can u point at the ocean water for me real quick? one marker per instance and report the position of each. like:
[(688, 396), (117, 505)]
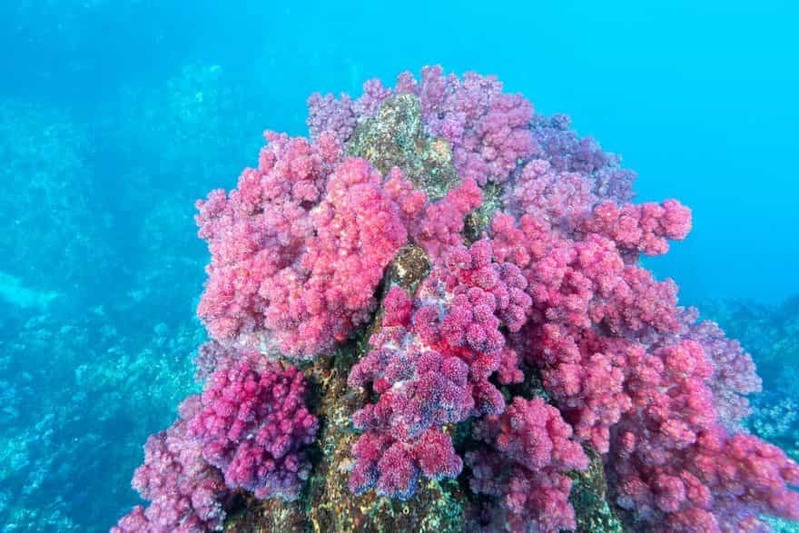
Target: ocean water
[(116, 115)]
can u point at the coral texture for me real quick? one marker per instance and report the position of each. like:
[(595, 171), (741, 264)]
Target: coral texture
[(247, 430), (499, 328), (297, 249), (253, 424), (186, 493), (529, 453)]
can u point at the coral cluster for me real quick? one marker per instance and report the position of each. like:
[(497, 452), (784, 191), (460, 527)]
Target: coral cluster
[(530, 340), (186, 492), (246, 430), (252, 425), (526, 464)]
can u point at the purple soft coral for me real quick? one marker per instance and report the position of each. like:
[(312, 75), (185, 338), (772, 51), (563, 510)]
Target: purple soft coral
[(548, 284), (487, 128), (253, 425), (186, 493), (432, 360), (530, 450)]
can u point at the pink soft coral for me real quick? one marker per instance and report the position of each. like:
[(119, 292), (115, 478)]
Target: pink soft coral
[(253, 424), (185, 492), (298, 248), (552, 289), (530, 451)]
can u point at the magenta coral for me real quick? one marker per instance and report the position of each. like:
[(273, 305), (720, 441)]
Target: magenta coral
[(548, 194), (441, 223), (530, 451), (431, 362), (186, 493), (297, 249), (589, 318), (487, 128), (420, 389), (393, 467), (547, 283), (676, 463), (642, 228), (734, 376), (252, 424)]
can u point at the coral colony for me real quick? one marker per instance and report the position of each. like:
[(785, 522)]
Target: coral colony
[(479, 264)]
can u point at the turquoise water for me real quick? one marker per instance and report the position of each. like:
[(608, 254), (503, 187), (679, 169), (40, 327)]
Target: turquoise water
[(116, 115)]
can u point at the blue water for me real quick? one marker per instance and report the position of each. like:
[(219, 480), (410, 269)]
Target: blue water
[(116, 115)]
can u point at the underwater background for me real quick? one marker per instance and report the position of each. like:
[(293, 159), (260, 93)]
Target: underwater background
[(115, 116)]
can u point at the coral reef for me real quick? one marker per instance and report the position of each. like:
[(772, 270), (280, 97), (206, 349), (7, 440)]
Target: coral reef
[(431, 315)]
